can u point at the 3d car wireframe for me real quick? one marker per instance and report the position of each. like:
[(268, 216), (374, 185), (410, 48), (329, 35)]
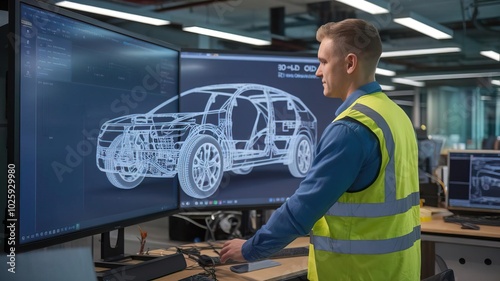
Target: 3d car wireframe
[(486, 180), (222, 128)]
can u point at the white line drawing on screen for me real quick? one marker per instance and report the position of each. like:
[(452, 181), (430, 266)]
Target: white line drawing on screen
[(221, 128), (486, 180)]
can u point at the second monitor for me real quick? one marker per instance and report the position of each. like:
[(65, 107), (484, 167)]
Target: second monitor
[(252, 124)]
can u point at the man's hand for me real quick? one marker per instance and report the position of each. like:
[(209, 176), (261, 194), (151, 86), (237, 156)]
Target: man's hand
[(232, 251)]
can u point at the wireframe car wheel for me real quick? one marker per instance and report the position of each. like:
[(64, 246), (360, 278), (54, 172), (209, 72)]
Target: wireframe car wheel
[(242, 171), (127, 160), (200, 166), (302, 155)]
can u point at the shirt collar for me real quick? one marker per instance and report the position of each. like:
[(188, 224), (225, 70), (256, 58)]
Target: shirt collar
[(370, 88)]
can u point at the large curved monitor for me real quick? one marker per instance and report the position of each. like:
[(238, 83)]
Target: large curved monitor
[(253, 120), (83, 140)]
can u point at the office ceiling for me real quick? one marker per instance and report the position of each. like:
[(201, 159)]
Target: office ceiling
[(292, 25)]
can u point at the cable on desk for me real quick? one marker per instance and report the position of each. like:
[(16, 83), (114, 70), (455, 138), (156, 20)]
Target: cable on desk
[(439, 181), (190, 220), (194, 253)]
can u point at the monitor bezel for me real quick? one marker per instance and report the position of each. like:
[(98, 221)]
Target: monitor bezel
[(466, 210), (13, 126)]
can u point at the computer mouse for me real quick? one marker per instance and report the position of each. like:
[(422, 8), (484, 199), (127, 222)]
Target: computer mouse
[(205, 260), (468, 225)]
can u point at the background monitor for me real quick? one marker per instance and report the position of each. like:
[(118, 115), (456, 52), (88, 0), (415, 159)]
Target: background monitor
[(82, 134), (261, 115), (474, 181)]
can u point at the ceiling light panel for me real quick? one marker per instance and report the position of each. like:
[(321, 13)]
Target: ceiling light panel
[(424, 26), (491, 54), (418, 52), (112, 13), (227, 35), (385, 72), (408, 82), (387, 87), (373, 7), (446, 76)]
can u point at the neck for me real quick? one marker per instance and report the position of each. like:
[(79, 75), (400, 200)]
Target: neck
[(357, 83)]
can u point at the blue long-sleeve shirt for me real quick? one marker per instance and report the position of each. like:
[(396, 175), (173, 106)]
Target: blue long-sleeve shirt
[(347, 160)]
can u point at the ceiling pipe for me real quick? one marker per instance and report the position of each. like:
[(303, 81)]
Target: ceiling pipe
[(475, 14), (277, 21)]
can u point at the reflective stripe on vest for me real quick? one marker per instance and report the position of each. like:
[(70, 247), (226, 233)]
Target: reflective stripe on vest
[(390, 178), (370, 247), (373, 210)]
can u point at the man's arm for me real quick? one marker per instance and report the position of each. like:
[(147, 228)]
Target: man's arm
[(339, 158)]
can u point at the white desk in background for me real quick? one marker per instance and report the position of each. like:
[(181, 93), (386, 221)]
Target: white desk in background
[(472, 254)]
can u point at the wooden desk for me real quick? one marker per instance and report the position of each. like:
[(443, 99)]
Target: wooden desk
[(291, 267), (472, 254), (438, 226)]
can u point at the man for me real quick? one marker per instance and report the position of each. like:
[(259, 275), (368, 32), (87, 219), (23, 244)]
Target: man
[(360, 197)]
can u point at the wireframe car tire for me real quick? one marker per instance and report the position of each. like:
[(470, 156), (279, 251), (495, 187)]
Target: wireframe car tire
[(200, 167), (125, 159), (302, 156), (242, 171)]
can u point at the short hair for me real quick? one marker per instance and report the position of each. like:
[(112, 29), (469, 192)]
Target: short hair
[(353, 36)]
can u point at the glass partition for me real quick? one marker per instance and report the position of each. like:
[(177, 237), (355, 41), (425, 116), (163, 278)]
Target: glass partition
[(465, 117)]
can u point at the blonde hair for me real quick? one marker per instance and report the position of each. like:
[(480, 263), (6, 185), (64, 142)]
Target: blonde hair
[(353, 36)]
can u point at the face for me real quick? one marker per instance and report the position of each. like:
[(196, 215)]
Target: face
[(331, 70)]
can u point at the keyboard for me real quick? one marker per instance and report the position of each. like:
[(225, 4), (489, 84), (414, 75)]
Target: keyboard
[(205, 260), (197, 277), (481, 220)]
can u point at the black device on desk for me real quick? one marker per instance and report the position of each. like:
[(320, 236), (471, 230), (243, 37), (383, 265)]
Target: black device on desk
[(474, 219), (205, 260), (197, 277), (474, 187)]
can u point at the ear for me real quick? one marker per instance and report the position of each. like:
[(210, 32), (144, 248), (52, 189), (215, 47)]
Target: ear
[(351, 62)]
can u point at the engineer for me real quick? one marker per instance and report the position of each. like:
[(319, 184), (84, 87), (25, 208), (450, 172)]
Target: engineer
[(360, 200)]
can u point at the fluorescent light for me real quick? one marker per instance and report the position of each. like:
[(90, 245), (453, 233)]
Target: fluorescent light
[(373, 7), (385, 72), (424, 26), (417, 52), (226, 35), (491, 54), (495, 82), (112, 13), (453, 76), (408, 82), (387, 87)]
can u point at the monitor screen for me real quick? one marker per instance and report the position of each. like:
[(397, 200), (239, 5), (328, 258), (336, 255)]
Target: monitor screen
[(253, 120), (84, 137), (474, 180)]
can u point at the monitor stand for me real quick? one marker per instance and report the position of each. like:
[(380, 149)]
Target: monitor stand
[(115, 265), (253, 220)]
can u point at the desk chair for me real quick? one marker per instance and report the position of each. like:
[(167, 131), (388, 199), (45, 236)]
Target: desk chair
[(446, 275)]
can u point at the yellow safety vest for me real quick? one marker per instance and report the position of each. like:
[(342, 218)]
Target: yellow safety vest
[(374, 234)]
